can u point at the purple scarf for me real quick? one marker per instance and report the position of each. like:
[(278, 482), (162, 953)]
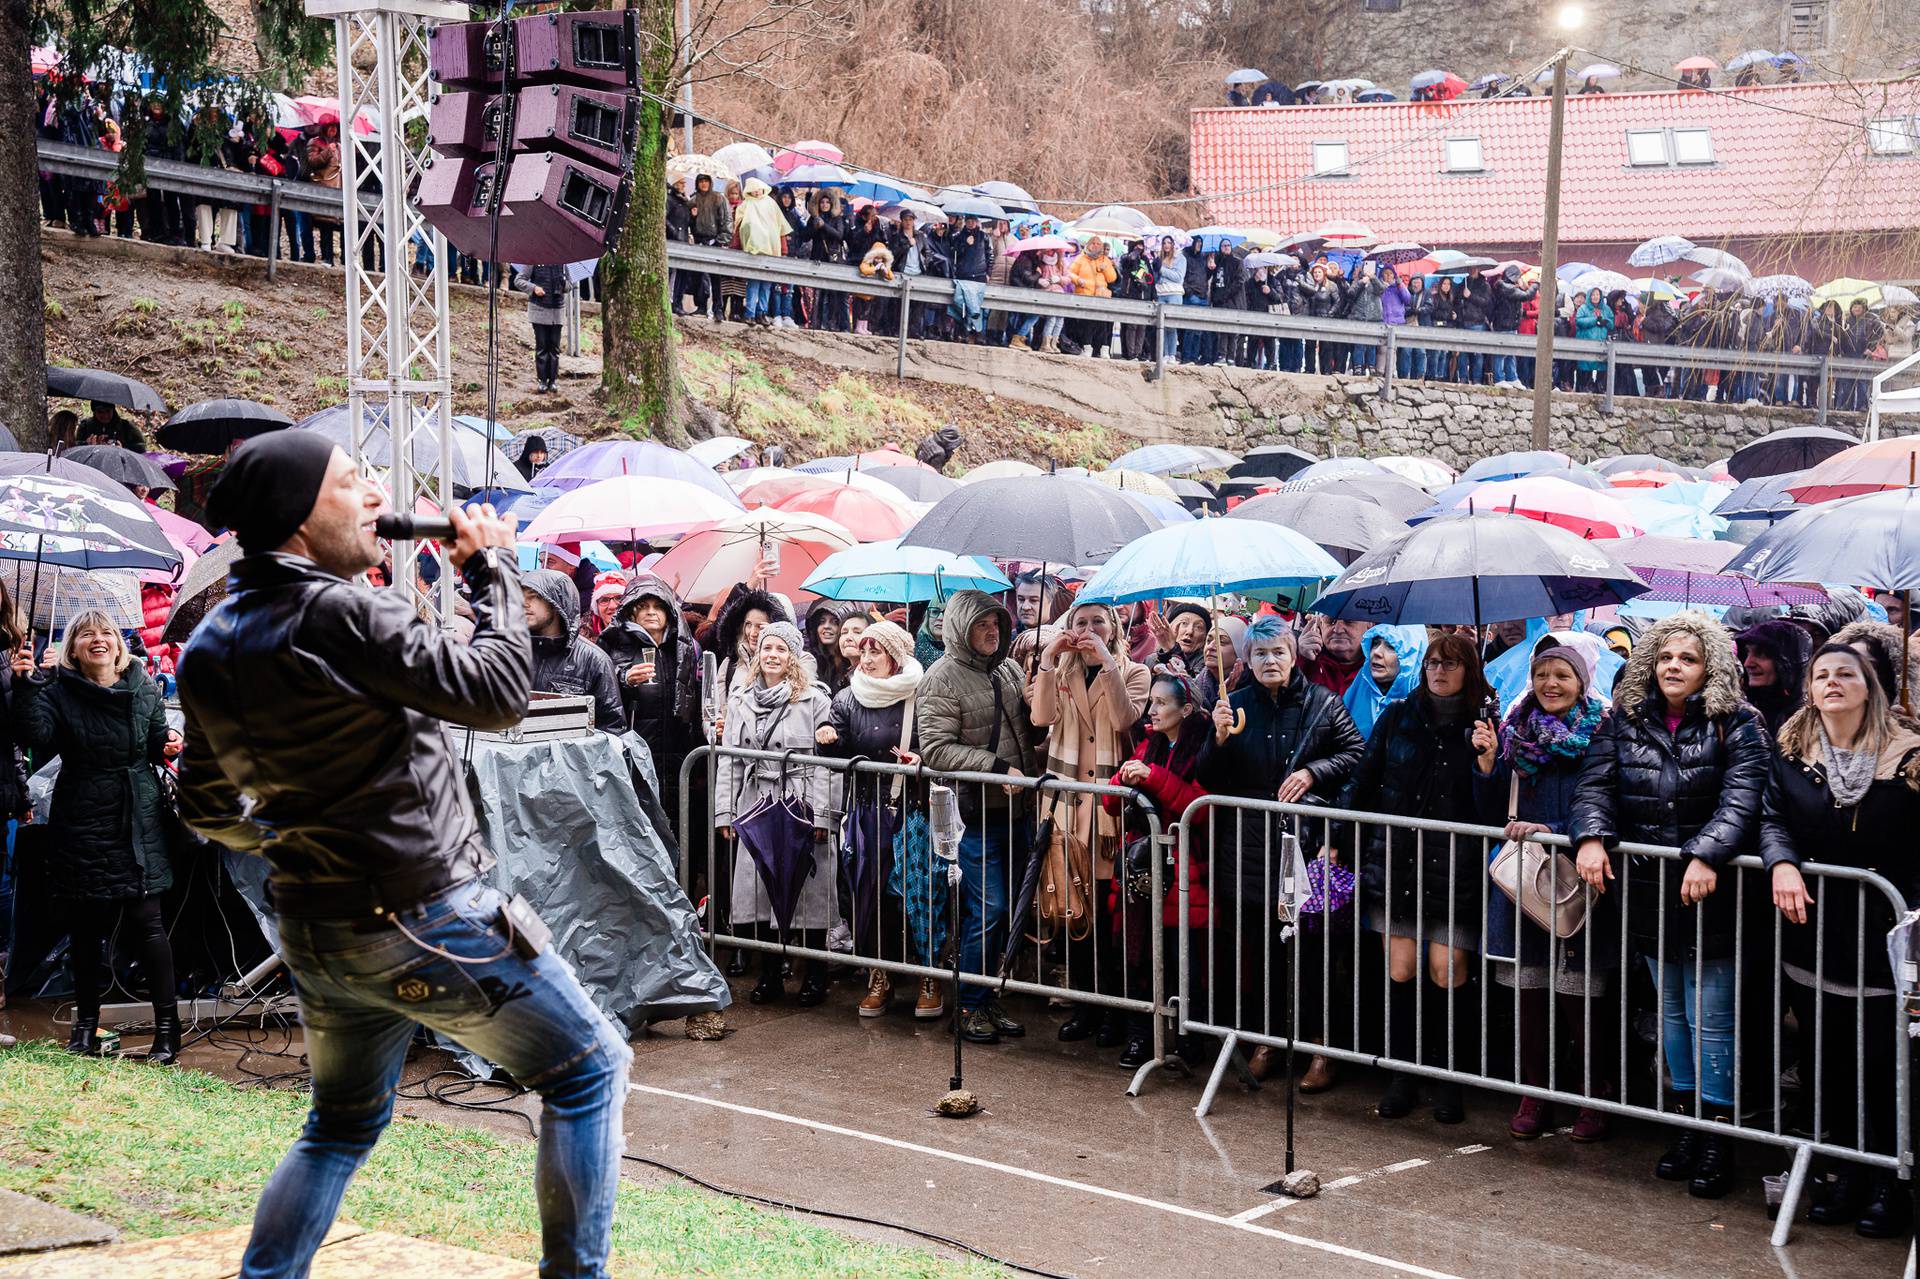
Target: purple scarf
[(1531, 737)]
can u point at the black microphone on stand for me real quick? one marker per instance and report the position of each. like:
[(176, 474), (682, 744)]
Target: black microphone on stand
[(414, 528)]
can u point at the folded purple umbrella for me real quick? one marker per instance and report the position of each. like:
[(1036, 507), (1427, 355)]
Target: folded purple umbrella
[(609, 459), (778, 834)]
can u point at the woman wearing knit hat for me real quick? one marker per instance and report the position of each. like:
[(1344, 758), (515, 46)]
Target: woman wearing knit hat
[(872, 718), (1524, 779), (778, 707)]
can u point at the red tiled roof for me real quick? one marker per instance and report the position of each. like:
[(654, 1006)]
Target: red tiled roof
[(1773, 173)]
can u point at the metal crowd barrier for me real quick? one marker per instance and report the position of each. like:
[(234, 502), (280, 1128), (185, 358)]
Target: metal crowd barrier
[(1124, 974), (1324, 957)]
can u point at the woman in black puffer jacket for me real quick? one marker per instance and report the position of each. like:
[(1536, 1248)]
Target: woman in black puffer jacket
[(1682, 761), (1419, 763), (105, 719)]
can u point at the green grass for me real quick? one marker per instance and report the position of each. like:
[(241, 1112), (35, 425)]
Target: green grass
[(158, 1152)]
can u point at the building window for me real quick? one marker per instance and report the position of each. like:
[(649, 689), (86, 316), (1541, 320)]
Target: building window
[(1890, 137), (1692, 146), (1646, 146), (1329, 159), (1380, 6), (1807, 23), (1463, 155)]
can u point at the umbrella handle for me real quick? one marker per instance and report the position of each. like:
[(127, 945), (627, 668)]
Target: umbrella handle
[(1220, 669)]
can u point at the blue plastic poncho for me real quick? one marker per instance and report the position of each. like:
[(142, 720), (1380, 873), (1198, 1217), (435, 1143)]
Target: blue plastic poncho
[(1364, 698)]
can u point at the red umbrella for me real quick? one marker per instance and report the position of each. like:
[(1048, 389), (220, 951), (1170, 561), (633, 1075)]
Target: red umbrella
[(887, 455), (1696, 63), (1864, 468), (867, 516)]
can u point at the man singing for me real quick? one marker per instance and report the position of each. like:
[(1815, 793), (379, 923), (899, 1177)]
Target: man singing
[(314, 737)]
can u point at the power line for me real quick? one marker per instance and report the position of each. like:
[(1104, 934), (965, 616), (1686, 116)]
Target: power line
[(1744, 99)]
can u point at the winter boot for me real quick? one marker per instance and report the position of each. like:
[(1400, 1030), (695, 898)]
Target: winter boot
[(85, 1039), (1714, 1175), (165, 1048), (1682, 1156)]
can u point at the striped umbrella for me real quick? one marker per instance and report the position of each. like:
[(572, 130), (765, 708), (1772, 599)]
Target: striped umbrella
[(64, 593)]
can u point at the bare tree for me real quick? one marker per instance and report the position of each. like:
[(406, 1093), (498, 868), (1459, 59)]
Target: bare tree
[(23, 374)]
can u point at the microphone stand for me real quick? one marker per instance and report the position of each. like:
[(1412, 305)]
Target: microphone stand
[(944, 832)]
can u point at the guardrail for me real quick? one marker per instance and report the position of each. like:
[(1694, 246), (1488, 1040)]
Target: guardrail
[(885, 871), (204, 183), (1594, 967)]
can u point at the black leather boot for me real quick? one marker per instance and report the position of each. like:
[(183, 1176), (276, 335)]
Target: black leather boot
[(1838, 1202), (813, 987), (1713, 1175), (1402, 1095), (85, 1039), (1678, 1163), (1080, 1024), (1889, 1210), (165, 1048)]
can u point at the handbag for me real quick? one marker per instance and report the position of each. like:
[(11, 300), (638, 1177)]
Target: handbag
[(1062, 897), (1542, 881), (1134, 871)]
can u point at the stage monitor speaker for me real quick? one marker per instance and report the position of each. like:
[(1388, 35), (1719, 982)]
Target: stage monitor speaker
[(596, 125), (597, 48), (555, 208)]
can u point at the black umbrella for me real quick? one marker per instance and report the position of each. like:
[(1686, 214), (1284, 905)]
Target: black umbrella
[(1794, 449), (121, 465), (1473, 569), (1282, 460), (1400, 498), (1764, 497), (1023, 900), (205, 586), (1347, 527), (109, 388), (76, 517), (211, 426), (1043, 518), (920, 485), (1870, 540), (778, 835)]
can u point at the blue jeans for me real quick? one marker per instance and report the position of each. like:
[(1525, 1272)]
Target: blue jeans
[(983, 897), (1021, 326), (783, 301), (1196, 347), (1365, 358), (1714, 1025), (1410, 361), (361, 993), (1292, 351), (1472, 363), (1506, 368), (758, 293)]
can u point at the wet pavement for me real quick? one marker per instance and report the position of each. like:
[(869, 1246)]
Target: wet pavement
[(1063, 1173)]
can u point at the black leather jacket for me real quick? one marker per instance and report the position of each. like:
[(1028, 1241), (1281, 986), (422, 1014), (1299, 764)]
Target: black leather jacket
[(314, 731)]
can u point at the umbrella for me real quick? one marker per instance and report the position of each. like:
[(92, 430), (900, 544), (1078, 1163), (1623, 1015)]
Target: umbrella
[(800, 153), (1572, 270), (1134, 482), (492, 432), (1720, 278), (1399, 498), (973, 206), (75, 522), (1190, 491), (1375, 95), (1490, 79), (1042, 244), (1346, 527), (1752, 57), (719, 449), (1120, 215), (121, 465), (1213, 238), (706, 564), (212, 426), (916, 483), (1871, 540), (1161, 510), (1794, 449), (1552, 501), (1046, 519), (1424, 471), (1689, 571), (1282, 461), (61, 594), (1246, 75), (816, 175), (1764, 497), (1475, 569), (1605, 281), (1894, 295), (1428, 79), (894, 574), (1652, 477), (777, 833), (1209, 557), (1395, 254), (1844, 290), (558, 442), (1508, 466), (1696, 63), (1776, 286), (629, 507), (775, 489), (98, 384), (742, 158), (1005, 469), (1008, 196), (1863, 468), (1272, 260), (1598, 71), (1660, 250), (470, 459), (1299, 241), (867, 516), (1706, 256), (1684, 509), (1334, 468), (1633, 462), (1173, 459), (605, 459), (682, 167), (204, 586), (1657, 289), (928, 214), (1346, 233), (880, 188)]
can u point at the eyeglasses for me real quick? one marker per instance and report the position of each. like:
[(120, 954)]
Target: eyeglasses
[(1444, 664)]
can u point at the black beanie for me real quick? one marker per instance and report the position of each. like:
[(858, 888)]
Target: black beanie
[(269, 487), (1205, 617)]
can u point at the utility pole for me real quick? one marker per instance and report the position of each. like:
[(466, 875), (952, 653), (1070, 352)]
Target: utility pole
[(686, 76), (1549, 261)]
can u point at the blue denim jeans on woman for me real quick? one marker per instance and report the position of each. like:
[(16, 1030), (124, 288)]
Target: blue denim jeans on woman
[(363, 985), (759, 293), (1711, 1021), (1410, 361)]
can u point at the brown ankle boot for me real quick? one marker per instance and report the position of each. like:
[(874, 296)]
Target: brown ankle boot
[(1321, 1075), (1260, 1065)]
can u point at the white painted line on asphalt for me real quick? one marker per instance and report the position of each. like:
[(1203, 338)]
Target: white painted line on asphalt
[(1158, 1205), (1338, 1183)]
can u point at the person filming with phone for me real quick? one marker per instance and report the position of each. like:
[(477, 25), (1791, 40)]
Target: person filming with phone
[(315, 736)]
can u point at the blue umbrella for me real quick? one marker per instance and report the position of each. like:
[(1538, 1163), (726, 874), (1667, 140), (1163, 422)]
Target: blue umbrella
[(818, 175), (883, 189), (1511, 466), (1473, 569), (1764, 497), (1686, 509), (1661, 250), (609, 459), (1173, 459), (1572, 270), (1161, 510), (894, 574), (1209, 557), (1214, 238), (480, 426)]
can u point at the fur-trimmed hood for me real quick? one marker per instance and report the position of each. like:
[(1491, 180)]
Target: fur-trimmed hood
[(726, 628), (1889, 649), (650, 586), (1721, 694)]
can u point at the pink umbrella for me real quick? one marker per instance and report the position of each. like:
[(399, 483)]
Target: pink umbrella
[(1696, 63), (1042, 244), (867, 516), (628, 508), (815, 152), (1346, 232), (705, 565), (1647, 479), (1587, 512)]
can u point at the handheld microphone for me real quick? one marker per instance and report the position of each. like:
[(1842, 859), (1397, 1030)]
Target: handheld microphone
[(413, 528)]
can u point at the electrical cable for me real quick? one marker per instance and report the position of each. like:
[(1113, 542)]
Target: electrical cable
[(1733, 96)]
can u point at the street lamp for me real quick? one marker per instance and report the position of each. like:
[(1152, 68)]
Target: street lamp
[(1570, 16)]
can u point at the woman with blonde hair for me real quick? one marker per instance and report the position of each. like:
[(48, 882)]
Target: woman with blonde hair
[(96, 708), (1090, 695)]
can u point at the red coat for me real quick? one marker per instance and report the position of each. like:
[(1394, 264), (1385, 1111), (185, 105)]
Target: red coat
[(1172, 794), (156, 602)]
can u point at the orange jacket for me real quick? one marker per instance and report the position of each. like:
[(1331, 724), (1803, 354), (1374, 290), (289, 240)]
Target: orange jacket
[(1092, 275)]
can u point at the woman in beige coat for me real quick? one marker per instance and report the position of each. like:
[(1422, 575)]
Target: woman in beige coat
[(1090, 694)]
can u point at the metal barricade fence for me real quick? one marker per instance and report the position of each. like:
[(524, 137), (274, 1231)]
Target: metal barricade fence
[(1637, 968), (877, 871)]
